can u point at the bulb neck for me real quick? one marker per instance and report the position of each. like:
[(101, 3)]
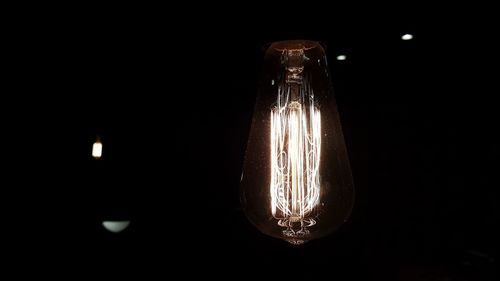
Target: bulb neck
[(293, 61)]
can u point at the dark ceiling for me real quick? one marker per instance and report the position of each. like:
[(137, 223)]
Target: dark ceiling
[(172, 103)]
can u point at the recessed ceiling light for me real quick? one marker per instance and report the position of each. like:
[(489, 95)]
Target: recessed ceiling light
[(341, 57), (407, 37)]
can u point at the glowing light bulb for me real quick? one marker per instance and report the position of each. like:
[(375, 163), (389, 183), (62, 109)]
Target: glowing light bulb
[(407, 37), (296, 183), (115, 226), (97, 149), (341, 57)]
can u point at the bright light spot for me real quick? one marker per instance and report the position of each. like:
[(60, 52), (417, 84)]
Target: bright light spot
[(407, 37), (341, 57), (295, 158), (97, 149), (115, 226), (272, 82)]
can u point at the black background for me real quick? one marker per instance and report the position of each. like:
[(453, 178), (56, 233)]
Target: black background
[(172, 100)]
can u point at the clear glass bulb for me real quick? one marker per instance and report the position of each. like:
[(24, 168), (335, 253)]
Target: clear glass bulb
[(296, 183)]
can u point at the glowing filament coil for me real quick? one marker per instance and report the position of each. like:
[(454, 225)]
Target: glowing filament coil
[(295, 158)]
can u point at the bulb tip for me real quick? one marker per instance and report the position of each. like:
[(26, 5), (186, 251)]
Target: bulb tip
[(296, 241)]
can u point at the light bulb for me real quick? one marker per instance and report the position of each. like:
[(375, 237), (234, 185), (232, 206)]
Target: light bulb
[(296, 183), (115, 226), (97, 149), (407, 37)]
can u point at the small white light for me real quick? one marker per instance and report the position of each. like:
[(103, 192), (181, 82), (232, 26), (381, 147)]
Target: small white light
[(341, 57), (97, 149), (272, 82), (407, 37), (115, 226)]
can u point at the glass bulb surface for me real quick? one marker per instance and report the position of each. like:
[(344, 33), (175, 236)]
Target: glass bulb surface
[(296, 183)]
